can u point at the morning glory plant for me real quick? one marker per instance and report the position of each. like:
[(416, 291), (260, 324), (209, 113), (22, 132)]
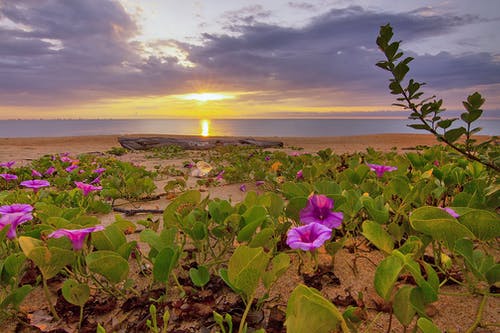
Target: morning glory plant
[(14, 215), (8, 164), (319, 210), (87, 188), (76, 236), (381, 169), (8, 176), (308, 237), (35, 184)]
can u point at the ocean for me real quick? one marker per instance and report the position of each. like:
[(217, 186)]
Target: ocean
[(217, 127)]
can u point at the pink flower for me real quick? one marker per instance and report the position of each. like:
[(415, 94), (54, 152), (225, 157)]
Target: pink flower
[(8, 176), (14, 215), (436, 163), (451, 212), (87, 188), (71, 168), (259, 182), (99, 170), (35, 184), (220, 175), (8, 164), (267, 158), (65, 159), (50, 171), (76, 236), (35, 173), (381, 169), (96, 180), (299, 174), (319, 210), (308, 237)]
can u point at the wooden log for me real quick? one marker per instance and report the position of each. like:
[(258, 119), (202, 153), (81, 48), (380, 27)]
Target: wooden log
[(193, 143)]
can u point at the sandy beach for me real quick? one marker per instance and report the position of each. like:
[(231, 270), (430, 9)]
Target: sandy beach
[(32, 148)]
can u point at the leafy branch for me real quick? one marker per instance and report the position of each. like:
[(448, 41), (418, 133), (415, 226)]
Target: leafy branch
[(428, 110)]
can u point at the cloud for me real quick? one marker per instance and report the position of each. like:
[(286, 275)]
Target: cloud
[(57, 52)]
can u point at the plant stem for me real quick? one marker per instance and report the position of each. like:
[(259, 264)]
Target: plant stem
[(245, 314), (479, 315), (47, 296), (81, 317)]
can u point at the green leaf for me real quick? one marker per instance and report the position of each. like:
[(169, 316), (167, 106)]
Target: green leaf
[(199, 276), (109, 264), (75, 293), (246, 267), (403, 310), (16, 297), (427, 326), (376, 234), (279, 265), (111, 238), (484, 225), (252, 218), (493, 274), (182, 205), (387, 274), (438, 224), (308, 311), (454, 134), (164, 263), (49, 261)]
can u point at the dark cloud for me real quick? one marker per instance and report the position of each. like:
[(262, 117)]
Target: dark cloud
[(77, 51)]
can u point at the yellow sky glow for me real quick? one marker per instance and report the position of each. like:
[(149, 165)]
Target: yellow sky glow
[(205, 97)]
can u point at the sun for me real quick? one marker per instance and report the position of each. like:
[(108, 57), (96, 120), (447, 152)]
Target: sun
[(205, 97)]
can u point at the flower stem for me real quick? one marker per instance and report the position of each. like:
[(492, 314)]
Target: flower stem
[(245, 314), (47, 296), (479, 315)]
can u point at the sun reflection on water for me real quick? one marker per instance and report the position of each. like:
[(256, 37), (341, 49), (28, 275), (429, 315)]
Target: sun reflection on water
[(205, 127)]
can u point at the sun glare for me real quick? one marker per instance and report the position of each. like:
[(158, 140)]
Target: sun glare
[(205, 97), (205, 127)]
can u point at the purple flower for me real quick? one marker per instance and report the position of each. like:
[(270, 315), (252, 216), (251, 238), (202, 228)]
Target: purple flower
[(308, 237), (8, 164), (381, 169), (243, 188), (189, 165), (71, 167), (219, 175), (267, 158), (8, 176), (99, 170), (451, 212), (319, 210), (35, 173), (96, 180), (87, 188), (76, 236), (259, 182), (50, 171), (294, 153), (65, 159), (14, 215), (299, 174), (35, 184)]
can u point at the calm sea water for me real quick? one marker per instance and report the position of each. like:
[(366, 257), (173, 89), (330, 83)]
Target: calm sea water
[(216, 127)]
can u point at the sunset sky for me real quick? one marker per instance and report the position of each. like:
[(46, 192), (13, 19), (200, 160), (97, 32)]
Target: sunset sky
[(237, 58)]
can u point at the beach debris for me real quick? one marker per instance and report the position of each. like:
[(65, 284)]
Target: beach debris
[(201, 170), (192, 143)]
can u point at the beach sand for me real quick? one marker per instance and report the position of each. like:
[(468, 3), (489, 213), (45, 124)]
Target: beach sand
[(32, 148)]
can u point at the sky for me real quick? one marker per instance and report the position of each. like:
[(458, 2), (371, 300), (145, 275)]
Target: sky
[(238, 58)]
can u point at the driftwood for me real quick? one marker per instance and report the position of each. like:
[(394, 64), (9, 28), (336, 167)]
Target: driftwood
[(193, 143)]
